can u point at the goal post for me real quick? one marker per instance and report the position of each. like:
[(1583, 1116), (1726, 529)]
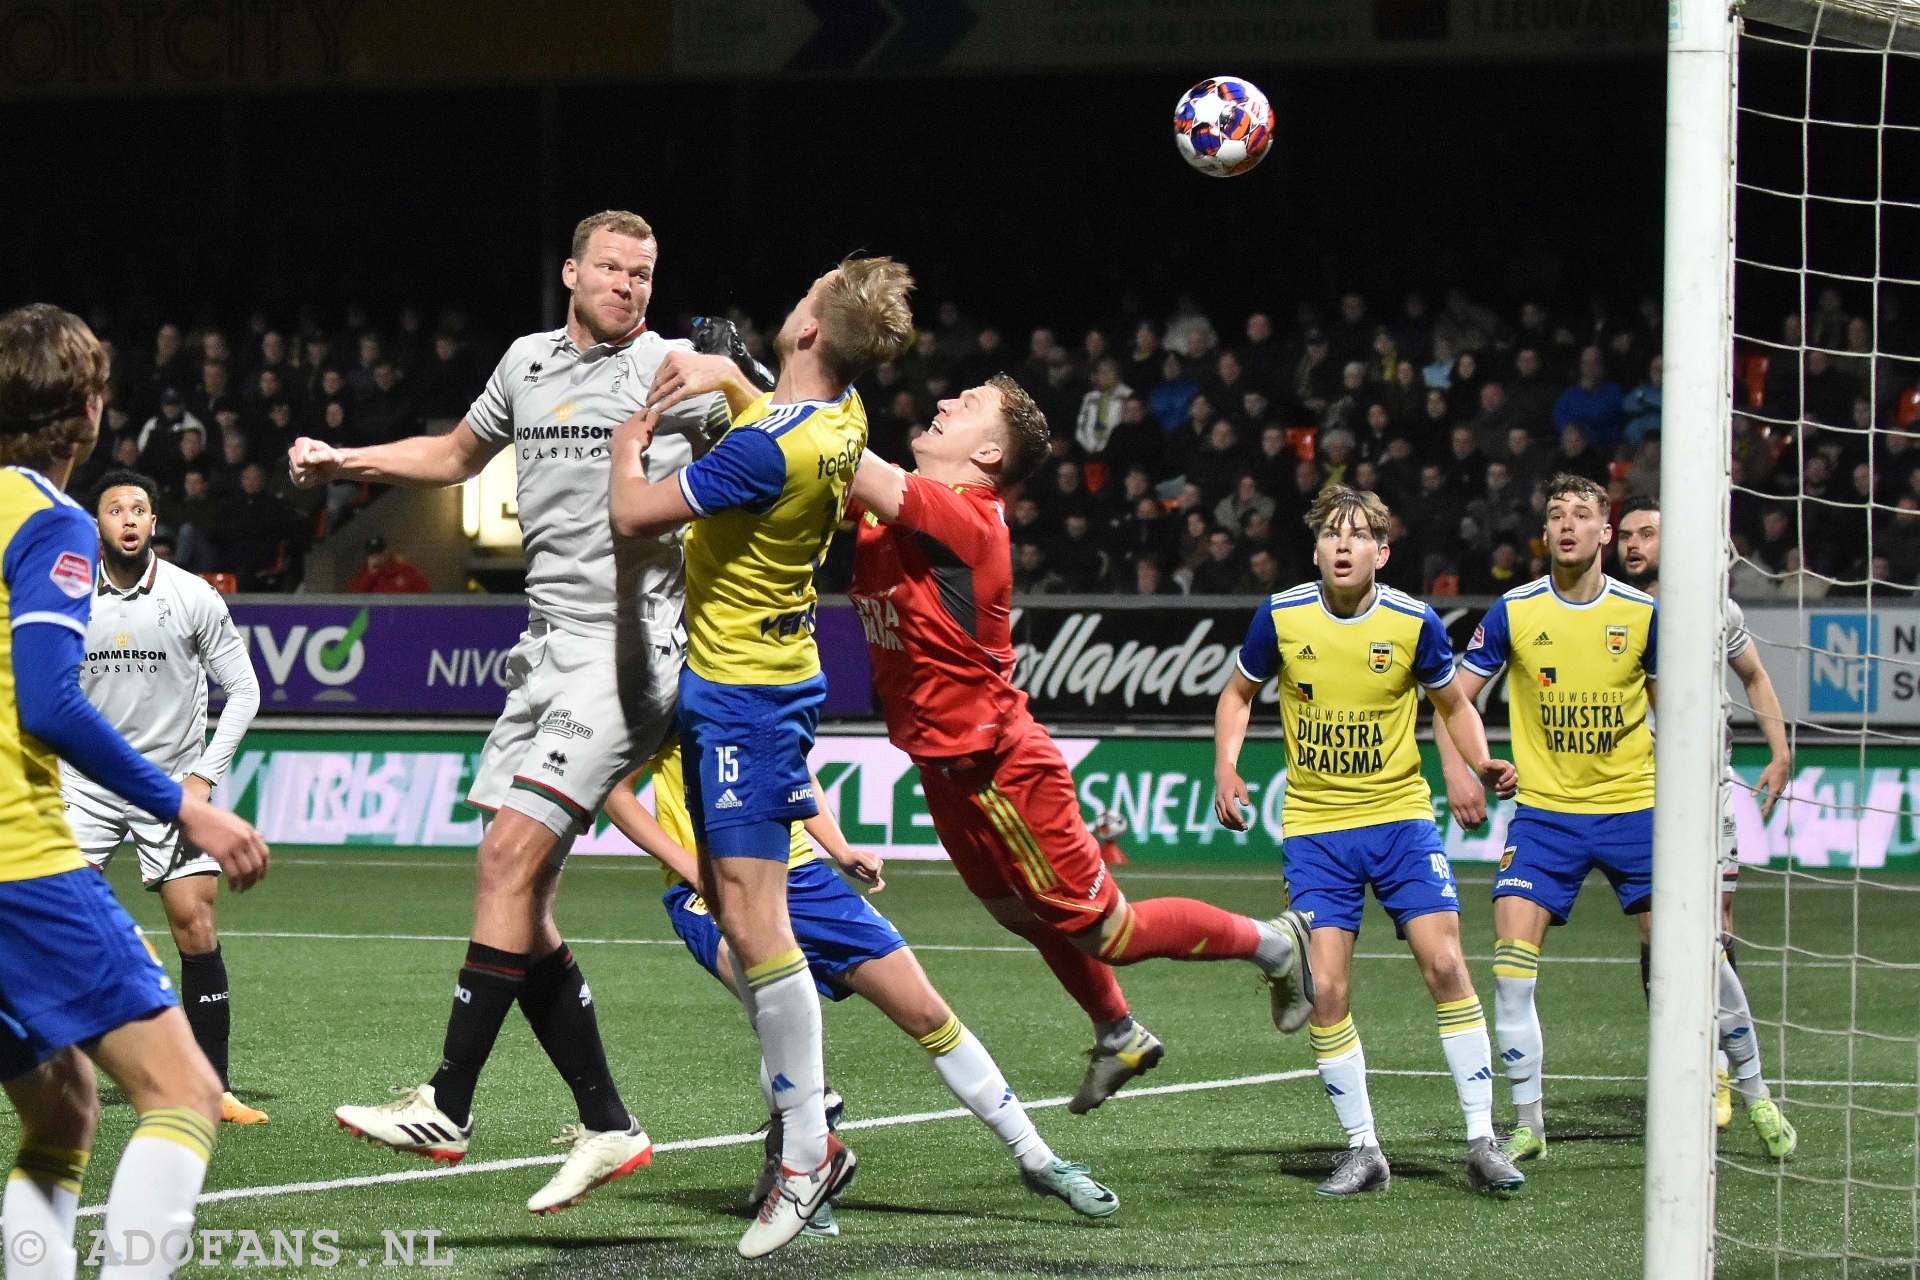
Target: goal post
[(1697, 345)]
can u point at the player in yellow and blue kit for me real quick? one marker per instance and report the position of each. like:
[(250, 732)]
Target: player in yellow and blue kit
[(1580, 650), (77, 980), (851, 949), (1351, 657), (764, 504)]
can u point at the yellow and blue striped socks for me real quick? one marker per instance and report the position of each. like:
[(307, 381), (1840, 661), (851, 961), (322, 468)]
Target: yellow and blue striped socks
[(1343, 1070), (1463, 1038), (149, 1224), (1516, 970), (42, 1201), (972, 1076)]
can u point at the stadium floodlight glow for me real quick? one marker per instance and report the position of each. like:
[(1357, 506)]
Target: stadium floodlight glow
[(1694, 482)]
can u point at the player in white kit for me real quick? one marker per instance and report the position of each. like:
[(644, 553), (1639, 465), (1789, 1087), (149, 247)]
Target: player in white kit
[(1739, 1052), (591, 692), (156, 634)]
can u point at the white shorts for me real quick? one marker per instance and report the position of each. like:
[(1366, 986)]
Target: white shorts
[(1729, 834), (582, 713), (101, 821)]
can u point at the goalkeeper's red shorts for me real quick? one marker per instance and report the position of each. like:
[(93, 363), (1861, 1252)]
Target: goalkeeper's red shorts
[(1011, 823)]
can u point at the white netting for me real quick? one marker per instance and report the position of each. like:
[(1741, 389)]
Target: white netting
[(1827, 318)]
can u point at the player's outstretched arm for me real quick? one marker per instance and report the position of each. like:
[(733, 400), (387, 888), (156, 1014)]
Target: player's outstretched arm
[(638, 507), (1765, 702), (1469, 738), (879, 486), (625, 811), (225, 656), (859, 863), (1230, 718), (689, 373), (426, 462)]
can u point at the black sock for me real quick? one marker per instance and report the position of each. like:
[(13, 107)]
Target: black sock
[(489, 983), (559, 1007), (1646, 972), (203, 994)]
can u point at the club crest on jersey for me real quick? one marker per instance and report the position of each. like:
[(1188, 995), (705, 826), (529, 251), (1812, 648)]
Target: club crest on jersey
[(1379, 656), (1549, 676), (1506, 859), (1616, 640), (1305, 691), (73, 574)]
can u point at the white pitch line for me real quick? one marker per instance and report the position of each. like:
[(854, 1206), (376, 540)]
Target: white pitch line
[(695, 1144)]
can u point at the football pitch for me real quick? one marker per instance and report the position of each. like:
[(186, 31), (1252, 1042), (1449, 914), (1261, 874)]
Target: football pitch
[(342, 966)]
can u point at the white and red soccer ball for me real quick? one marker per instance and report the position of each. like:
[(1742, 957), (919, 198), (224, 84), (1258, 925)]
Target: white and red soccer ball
[(1223, 126)]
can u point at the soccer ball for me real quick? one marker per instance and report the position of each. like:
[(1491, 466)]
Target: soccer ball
[(1223, 126)]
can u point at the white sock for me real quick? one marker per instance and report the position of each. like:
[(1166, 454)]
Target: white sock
[(42, 1200), (766, 1086), (1516, 968), (1738, 1039), (1343, 1069), (972, 1075), (1463, 1038), (150, 1209), (786, 1015)]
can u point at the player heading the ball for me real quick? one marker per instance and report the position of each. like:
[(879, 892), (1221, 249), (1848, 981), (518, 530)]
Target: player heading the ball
[(1351, 656)]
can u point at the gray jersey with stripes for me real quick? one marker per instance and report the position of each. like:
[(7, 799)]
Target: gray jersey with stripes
[(557, 407)]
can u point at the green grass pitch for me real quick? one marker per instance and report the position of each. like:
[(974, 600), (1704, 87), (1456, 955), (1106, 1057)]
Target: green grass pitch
[(1214, 1182)]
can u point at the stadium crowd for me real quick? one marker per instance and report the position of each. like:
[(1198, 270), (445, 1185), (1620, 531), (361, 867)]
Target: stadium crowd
[(1184, 452)]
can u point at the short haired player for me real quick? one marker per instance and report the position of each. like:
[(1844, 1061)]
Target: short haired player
[(851, 950), (1581, 651), (591, 685), (1739, 1052), (933, 582), (77, 980), (157, 634), (764, 504), (1352, 656)]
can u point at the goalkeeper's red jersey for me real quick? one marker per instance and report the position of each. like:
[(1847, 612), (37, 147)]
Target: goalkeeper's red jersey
[(935, 594)]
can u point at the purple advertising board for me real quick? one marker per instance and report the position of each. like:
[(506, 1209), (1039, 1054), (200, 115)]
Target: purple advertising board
[(441, 655)]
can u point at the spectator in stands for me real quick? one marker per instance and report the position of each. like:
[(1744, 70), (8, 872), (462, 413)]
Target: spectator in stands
[(259, 536), (1528, 456), (1413, 331), (234, 451), (1219, 573), (1495, 575), (360, 377), (1217, 466), (1183, 445), (1144, 361), (1137, 442), (1316, 377), (1777, 538), (1375, 434), (988, 357), (1830, 320), (386, 572), (171, 419), (1463, 388), (1262, 576), (1195, 532), (1102, 408), (1345, 410), (1899, 541), (1336, 455), (193, 517), (1641, 407), (388, 411), (1261, 352), (1433, 518), (1643, 477), (1466, 465), (1493, 421), (1530, 393), (1576, 458), (1594, 403), (1066, 495), (1433, 437), (1827, 393), (1146, 532), (1031, 576), (170, 457), (1172, 400), (1500, 508), (1246, 500), (1352, 333), (1465, 325), (1384, 359), (265, 387), (1229, 382), (214, 392), (1078, 558), (1780, 394), (1032, 373), (1405, 397), (447, 383), (168, 365), (1850, 524), (1437, 373), (1150, 579), (1274, 463)]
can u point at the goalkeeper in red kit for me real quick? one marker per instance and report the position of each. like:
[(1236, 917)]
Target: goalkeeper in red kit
[(933, 580)]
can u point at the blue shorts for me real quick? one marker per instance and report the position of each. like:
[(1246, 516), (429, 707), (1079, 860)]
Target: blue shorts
[(743, 752), (1405, 862), (73, 967), (1549, 855), (836, 927)]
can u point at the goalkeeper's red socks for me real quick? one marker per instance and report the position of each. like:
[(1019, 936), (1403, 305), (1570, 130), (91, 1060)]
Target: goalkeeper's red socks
[(1179, 929)]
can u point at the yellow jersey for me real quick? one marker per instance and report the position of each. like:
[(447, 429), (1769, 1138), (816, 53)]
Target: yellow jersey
[(769, 497), (48, 544), (1348, 702), (1577, 679), (670, 811)]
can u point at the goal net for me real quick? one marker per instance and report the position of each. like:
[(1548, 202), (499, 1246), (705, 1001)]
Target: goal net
[(1825, 513)]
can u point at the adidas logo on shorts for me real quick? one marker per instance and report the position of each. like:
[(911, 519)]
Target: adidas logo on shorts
[(728, 800)]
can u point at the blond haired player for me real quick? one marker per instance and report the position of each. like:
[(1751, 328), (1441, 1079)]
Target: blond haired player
[(763, 505), (1739, 1051), (851, 950), (1351, 656)]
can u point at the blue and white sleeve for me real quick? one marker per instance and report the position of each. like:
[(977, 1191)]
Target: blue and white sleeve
[(1433, 653), (1650, 660), (1488, 652), (745, 470), (49, 572), (1260, 656)]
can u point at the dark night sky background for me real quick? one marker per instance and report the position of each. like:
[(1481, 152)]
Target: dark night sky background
[(1026, 199)]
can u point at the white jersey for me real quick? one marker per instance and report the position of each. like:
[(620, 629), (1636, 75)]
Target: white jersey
[(150, 650), (558, 407)]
